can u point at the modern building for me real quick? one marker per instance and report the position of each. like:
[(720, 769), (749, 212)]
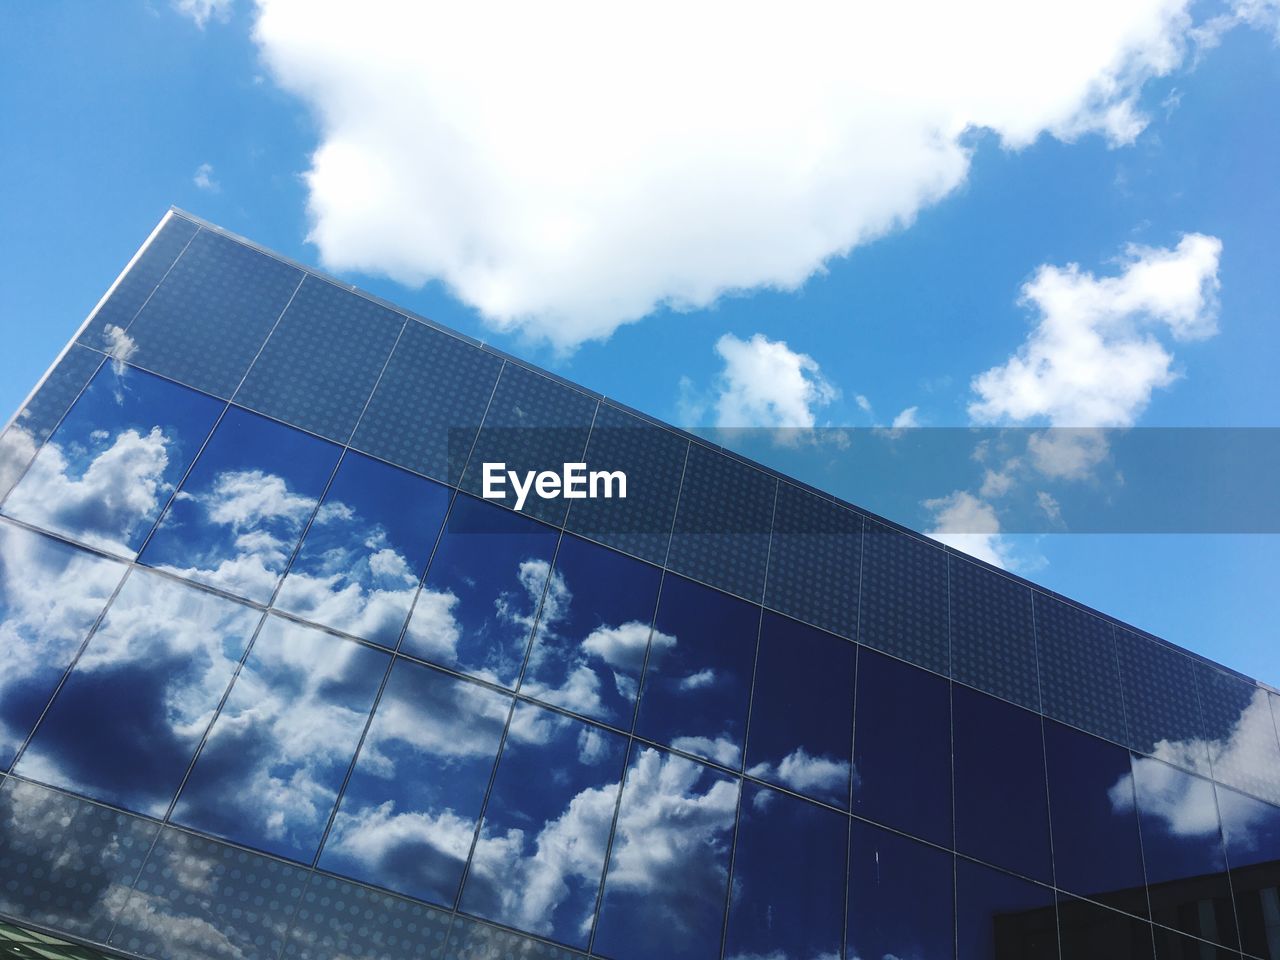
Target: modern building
[(276, 683)]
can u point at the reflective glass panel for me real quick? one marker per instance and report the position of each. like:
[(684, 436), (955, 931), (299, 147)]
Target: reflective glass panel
[(109, 468), (1160, 702), (788, 879), (593, 633), (240, 512), (1000, 917), (698, 678), (364, 553), (269, 774), (481, 596), (1096, 849), (1002, 815), (1176, 946), (540, 855), (993, 642), (50, 595), (1087, 931), (1243, 749), (66, 863), (1252, 831), (664, 894), (902, 748), (204, 900), (904, 597), (802, 710), (1079, 676), (472, 940), (409, 812), (1182, 850), (337, 919), (127, 722), (901, 901)]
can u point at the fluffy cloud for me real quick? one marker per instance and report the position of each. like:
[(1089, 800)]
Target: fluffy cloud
[(1096, 355), (805, 773), (580, 166), (202, 11), (967, 523), (767, 384)]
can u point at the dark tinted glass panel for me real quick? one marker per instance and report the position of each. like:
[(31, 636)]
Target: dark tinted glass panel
[(901, 900), (209, 317), (993, 644), (133, 289), (540, 855), (478, 605), (1182, 849), (1243, 749), (472, 940), (318, 367), (904, 598), (721, 533), (269, 774), (340, 919), (1089, 932), (201, 899), (1160, 702), (999, 917), (66, 863), (1079, 679), (50, 596), (788, 879), (652, 458), (1252, 830), (1097, 853), (593, 633), (1176, 946), (802, 710), (664, 894), (814, 561), (107, 471), (698, 679), (533, 423), (428, 405), (364, 553), (127, 722), (242, 509), (1002, 815), (902, 748), (409, 813)]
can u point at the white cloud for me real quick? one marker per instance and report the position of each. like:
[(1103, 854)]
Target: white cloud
[(204, 178), (202, 11), (805, 773), (17, 448), (907, 419), (573, 170), (967, 523), (1096, 353), (767, 384)]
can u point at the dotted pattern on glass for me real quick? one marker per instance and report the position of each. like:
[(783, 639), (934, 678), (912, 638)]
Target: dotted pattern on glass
[(1079, 679), (200, 899), (904, 597), (320, 364), (815, 558), (428, 405), (476, 941), (1161, 707), (57, 393), (340, 919), (205, 323), (993, 642), (1243, 749), (98, 854), (533, 423), (136, 285), (722, 523), (652, 459)]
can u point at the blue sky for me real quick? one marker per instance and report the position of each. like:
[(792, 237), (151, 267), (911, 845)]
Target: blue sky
[(111, 113)]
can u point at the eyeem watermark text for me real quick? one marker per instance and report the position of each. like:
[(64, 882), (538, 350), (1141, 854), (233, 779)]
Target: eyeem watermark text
[(573, 482)]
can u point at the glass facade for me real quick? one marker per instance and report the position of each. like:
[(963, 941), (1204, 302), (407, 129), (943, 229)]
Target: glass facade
[(275, 682)]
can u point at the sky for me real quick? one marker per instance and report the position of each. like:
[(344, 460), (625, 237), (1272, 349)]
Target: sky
[(999, 218)]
